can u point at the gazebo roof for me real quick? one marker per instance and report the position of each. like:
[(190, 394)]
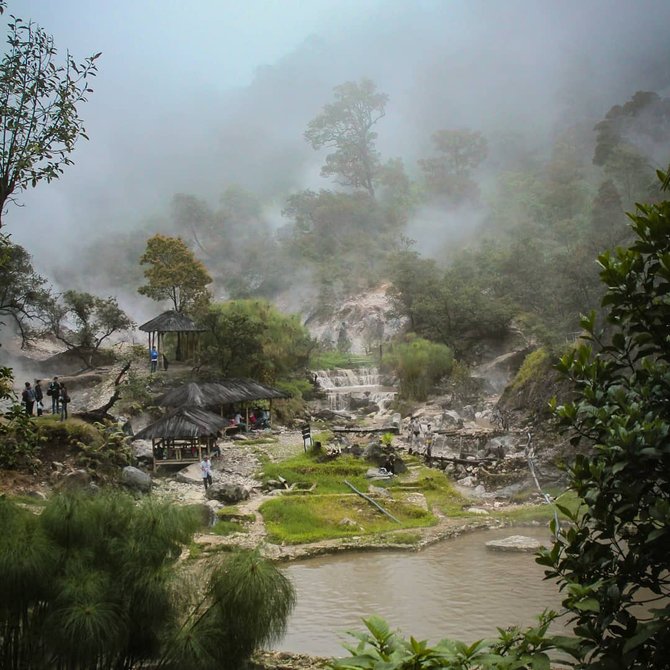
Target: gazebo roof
[(223, 392), (171, 322), (183, 423)]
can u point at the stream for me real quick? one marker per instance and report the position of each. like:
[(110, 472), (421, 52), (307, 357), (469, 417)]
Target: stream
[(457, 588)]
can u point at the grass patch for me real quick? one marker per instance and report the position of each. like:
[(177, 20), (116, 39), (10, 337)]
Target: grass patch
[(440, 494), (228, 527), (408, 538), (541, 512), (302, 519), (328, 476)]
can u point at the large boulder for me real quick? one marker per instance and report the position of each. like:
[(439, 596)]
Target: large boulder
[(135, 479), (227, 493)]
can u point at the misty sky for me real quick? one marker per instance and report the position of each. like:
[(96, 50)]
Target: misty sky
[(192, 97)]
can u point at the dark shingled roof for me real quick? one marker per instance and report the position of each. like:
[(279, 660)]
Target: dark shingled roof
[(223, 392), (171, 322), (183, 423)]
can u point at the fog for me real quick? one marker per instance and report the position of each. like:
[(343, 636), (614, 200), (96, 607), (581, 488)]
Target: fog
[(192, 98)]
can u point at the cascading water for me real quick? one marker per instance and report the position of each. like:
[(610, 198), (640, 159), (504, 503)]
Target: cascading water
[(345, 388)]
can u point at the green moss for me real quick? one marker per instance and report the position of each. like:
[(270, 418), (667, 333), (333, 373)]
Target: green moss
[(531, 369)]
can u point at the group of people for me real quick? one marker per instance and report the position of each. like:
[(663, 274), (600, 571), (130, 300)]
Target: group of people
[(258, 418), (33, 398), (420, 436)]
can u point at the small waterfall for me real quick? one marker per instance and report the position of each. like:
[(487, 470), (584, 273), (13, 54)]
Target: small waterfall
[(346, 389)]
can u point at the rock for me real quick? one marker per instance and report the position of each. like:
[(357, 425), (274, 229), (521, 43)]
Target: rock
[(227, 493), (379, 491), (347, 523), (515, 543), (191, 474), (467, 481), (135, 479), (477, 510), (143, 450), (479, 490), (78, 480), (452, 418), (38, 495)]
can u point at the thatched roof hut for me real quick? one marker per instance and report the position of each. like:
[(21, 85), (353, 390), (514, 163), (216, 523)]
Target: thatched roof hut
[(183, 436), (184, 422), (171, 322), (214, 394)]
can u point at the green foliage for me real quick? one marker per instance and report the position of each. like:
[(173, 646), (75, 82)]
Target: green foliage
[(174, 273), (332, 359), (613, 563), (24, 295), (40, 121), (380, 648), (419, 365), (92, 582), (342, 237), (250, 338), (459, 151), (531, 368), (83, 322), (19, 438), (110, 451), (346, 126)]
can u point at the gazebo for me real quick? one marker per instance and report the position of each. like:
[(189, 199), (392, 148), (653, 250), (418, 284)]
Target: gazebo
[(220, 393), (183, 436), (171, 322)]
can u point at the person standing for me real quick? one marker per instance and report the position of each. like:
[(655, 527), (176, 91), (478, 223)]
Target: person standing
[(28, 397), (64, 402), (206, 468), (54, 391), (39, 396), (153, 355)]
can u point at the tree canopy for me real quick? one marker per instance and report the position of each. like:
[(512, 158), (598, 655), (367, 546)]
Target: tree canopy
[(174, 274), (346, 125), (39, 101), (83, 321)]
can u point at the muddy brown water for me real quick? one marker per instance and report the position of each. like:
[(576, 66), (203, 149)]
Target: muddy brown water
[(457, 589)]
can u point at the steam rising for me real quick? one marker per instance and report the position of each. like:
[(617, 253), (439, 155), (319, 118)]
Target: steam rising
[(191, 100)]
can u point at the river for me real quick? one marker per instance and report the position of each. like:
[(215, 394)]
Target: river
[(457, 588)]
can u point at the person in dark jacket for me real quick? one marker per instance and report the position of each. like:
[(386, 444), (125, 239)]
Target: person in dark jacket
[(39, 396), (28, 397), (64, 402), (54, 391)]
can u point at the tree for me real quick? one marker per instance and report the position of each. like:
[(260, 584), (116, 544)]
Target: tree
[(94, 582), (25, 296), (419, 365), (174, 274), (613, 562), (94, 320), (346, 125), (39, 121), (460, 152), (250, 338)]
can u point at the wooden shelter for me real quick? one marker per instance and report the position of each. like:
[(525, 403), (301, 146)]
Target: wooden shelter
[(232, 391), (183, 436), (172, 322)]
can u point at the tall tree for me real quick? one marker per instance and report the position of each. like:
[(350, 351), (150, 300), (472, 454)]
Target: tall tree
[(174, 274), (347, 126), (94, 319), (449, 174), (39, 100)]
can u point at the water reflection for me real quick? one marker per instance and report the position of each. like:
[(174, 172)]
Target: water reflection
[(456, 589)]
